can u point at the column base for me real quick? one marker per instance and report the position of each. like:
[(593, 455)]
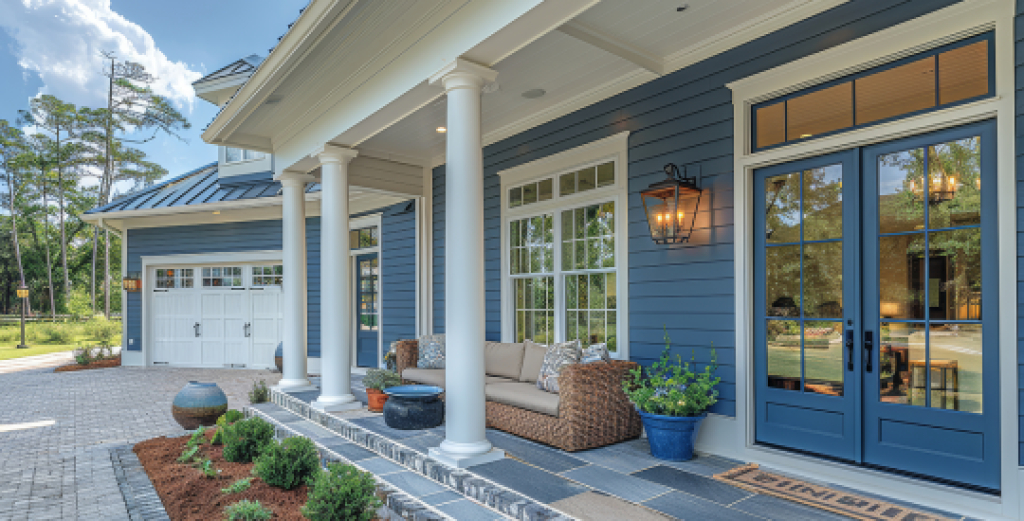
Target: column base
[(465, 460), (294, 386), (336, 403)]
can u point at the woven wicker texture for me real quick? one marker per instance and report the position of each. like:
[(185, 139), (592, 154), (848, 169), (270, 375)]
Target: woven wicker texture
[(592, 411)]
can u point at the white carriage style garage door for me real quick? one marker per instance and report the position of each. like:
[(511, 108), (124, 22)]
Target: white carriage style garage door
[(216, 316)]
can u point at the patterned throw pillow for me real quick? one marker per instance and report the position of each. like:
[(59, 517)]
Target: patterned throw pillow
[(595, 353), (431, 352), (557, 357)]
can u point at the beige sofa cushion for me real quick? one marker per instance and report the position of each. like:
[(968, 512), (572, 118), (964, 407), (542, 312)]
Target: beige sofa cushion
[(533, 358), (525, 396), (503, 359), (436, 377), (425, 376)]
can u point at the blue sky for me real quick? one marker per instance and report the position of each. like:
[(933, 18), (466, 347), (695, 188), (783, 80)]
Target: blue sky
[(52, 47)]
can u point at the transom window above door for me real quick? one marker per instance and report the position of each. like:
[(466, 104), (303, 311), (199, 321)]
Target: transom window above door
[(942, 77), (368, 237), (226, 277)]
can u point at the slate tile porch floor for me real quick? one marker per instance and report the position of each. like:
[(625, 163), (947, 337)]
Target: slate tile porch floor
[(681, 490)]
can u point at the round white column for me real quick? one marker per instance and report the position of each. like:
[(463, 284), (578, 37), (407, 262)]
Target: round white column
[(465, 442), (336, 322), (293, 229)]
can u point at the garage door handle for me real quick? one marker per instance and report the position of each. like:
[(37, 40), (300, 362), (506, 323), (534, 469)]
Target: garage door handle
[(247, 326), (196, 327)]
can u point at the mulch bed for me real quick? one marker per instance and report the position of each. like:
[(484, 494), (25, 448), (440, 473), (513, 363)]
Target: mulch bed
[(187, 494), (102, 363)]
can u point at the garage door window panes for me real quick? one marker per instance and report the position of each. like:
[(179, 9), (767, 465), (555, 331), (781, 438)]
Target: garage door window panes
[(228, 277), (263, 276), (174, 278)]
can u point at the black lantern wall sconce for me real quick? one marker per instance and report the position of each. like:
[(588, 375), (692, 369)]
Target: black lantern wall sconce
[(671, 205)]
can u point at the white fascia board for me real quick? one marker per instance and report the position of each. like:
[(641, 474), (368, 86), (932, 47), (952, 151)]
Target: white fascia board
[(400, 88)]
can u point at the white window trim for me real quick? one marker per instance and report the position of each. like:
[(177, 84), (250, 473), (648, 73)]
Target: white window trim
[(367, 221), (735, 436), (614, 148)]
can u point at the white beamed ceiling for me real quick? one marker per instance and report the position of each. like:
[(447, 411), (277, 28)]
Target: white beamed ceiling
[(575, 73)]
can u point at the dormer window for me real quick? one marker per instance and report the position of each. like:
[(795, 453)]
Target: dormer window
[(236, 155)]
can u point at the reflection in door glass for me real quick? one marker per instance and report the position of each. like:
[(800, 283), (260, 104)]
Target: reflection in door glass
[(901, 276), (823, 357), (783, 353), (900, 189), (955, 362), (823, 203), (954, 274), (782, 208), (823, 280), (954, 183), (782, 281), (900, 345)]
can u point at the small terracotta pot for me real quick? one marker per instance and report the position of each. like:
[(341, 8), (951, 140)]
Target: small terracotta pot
[(376, 399)]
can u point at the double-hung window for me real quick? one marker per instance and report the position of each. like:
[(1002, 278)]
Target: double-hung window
[(564, 253)]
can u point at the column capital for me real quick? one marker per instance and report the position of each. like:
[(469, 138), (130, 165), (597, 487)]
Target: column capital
[(329, 153), (293, 178), (463, 74)]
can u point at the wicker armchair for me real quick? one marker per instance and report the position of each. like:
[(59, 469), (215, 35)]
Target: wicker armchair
[(592, 410)]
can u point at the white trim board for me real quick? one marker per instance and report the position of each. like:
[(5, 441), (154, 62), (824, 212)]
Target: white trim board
[(735, 436), (614, 148)]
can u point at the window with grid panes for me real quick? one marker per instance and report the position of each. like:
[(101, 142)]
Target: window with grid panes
[(267, 275), (533, 283)]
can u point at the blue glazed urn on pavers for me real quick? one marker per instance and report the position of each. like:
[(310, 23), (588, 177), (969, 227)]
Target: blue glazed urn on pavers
[(413, 407), (199, 404), (671, 437)]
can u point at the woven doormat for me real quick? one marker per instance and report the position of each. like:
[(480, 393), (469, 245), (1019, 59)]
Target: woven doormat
[(750, 477)]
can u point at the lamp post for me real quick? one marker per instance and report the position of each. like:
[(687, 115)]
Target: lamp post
[(23, 295)]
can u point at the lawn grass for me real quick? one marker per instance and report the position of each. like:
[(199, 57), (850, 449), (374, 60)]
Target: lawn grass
[(8, 352), (75, 335)]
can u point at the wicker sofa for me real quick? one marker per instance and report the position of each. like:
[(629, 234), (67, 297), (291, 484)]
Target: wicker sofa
[(590, 411)]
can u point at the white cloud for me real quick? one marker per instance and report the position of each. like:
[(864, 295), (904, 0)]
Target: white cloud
[(61, 41)]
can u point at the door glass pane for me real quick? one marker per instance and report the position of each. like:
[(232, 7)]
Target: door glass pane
[(783, 354), (954, 277), (901, 370), (782, 208), (954, 183), (782, 281), (901, 276), (823, 203), (954, 362), (823, 357), (901, 191), (823, 279)]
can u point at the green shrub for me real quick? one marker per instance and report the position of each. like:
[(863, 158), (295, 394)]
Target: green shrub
[(229, 417), (239, 486), (245, 439), (188, 453), (246, 510), (11, 334), (342, 492), (83, 358), (103, 331), (218, 437), (259, 393), (58, 333), (287, 464)]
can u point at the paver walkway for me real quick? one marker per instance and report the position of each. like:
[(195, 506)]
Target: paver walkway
[(63, 470), (28, 363)]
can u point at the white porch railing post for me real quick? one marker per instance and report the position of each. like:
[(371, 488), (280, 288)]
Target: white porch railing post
[(293, 229), (465, 442), (335, 282)]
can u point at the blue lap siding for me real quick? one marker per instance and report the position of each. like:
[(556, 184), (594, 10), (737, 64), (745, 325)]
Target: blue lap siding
[(1019, 76), (266, 235), (398, 273), (684, 118)]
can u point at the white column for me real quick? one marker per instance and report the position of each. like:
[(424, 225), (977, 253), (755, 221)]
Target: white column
[(465, 442), (293, 230), (336, 318)]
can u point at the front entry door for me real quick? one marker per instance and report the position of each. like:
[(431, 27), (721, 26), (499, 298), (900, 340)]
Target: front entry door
[(872, 269), (367, 310)]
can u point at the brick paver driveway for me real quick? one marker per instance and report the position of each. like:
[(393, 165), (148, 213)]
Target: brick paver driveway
[(63, 470)]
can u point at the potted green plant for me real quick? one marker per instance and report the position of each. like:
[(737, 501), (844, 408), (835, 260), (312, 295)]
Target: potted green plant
[(376, 380), (672, 401)]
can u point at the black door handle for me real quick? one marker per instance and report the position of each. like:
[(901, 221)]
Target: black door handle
[(869, 344), (849, 350), (196, 327), (247, 333)]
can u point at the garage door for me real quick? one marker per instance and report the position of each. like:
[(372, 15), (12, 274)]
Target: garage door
[(216, 316)]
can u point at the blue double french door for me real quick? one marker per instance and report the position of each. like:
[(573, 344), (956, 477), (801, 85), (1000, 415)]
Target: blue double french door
[(367, 310), (875, 306)]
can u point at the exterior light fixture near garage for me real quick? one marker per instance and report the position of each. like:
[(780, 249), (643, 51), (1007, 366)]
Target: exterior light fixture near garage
[(132, 282), (441, 130), (671, 206)]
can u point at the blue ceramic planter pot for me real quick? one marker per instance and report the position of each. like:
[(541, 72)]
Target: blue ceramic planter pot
[(199, 404), (279, 357), (413, 407), (671, 437)]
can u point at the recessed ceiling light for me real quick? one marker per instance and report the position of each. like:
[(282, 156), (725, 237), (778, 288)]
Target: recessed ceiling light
[(441, 130), (534, 93), (216, 212)]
